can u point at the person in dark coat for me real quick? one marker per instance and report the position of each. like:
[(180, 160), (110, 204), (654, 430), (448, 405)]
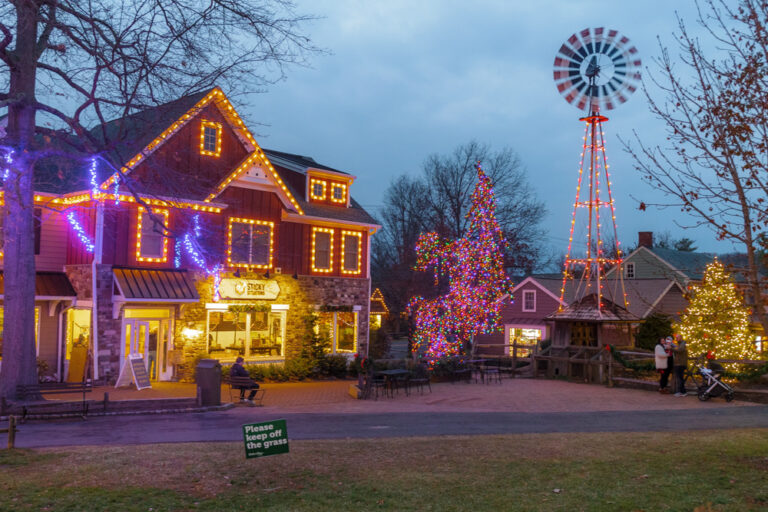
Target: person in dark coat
[(237, 370)]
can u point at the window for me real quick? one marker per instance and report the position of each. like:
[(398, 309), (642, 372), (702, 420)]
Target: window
[(339, 193), (529, 300), (317, 189), (340, 328), (254, 334), (322, 249), (250, 243), (522, 341), (151, 242), (37, 330), (210, 138), (629, 270), (351, 241)]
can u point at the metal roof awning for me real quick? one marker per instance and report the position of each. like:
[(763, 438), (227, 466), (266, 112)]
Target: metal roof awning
[(48, 286), (145, 285)]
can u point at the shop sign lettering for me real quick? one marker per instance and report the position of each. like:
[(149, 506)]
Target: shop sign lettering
[(248, 289)]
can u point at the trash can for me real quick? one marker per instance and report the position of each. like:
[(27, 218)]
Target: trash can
[(208, 378)]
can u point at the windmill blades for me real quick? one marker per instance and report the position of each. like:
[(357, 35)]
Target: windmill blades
[(597, 67)]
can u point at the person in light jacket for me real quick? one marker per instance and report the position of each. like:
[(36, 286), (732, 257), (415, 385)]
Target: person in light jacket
[(661, 353)]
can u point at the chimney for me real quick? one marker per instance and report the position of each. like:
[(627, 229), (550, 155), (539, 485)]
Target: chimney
[(645, 239)]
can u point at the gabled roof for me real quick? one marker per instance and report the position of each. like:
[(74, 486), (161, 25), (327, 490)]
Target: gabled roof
[(128, 136), (683, 265), (293, 168), (642, 294), (692, 264), (544, 283), (585, 310)]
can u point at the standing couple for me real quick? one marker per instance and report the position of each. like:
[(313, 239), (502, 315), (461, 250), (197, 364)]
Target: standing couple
[(671, 354)]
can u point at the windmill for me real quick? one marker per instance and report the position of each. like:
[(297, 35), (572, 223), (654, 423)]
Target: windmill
[(595, 70)]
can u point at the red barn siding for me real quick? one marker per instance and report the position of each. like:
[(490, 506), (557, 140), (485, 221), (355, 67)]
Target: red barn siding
[(177, 169), (76, 252)]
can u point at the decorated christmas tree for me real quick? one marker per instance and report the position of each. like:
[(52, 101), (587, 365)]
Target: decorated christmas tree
[(716, 319), (474, 268)]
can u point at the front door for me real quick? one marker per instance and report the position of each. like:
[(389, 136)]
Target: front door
[(136, 340)]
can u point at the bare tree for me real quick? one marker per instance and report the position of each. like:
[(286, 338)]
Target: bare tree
[(439, 201), (67, 65), (713, 105)]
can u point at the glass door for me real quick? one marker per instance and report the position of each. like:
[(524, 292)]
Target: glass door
[(136, 338)]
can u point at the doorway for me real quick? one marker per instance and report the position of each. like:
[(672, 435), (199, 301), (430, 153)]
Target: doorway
[(147, 332)]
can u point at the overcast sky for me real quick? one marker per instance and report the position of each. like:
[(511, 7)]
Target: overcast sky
[(405, 79)]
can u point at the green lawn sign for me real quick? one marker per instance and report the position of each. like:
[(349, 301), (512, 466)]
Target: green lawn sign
[(268, 438)]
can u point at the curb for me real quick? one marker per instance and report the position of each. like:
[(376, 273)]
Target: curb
[(128, 412)]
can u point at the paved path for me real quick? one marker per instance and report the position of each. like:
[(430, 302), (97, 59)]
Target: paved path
[(325, 411)]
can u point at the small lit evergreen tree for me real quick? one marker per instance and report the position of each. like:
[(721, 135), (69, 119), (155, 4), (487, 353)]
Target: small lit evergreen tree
[(716, 319)]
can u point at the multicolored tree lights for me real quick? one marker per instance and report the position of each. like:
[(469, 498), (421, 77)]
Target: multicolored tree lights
[(716, 319), (474, 268)]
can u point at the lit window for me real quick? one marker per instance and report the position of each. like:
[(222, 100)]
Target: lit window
[(37, 330), (322, 249), (351, 241), (340, 328), (253, 335), (339, 194), (630, 271), (250, 243), (210, 138), (529, 300), (522, 342), (317, 189), (151, 242)]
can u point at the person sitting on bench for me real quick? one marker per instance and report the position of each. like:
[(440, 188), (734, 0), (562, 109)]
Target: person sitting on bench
[(237, 370)]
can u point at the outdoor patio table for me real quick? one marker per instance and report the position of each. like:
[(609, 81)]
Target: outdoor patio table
[(392, 378)]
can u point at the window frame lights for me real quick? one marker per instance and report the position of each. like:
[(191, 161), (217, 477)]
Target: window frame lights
[(139, 226), (322, 183), (315, 231), (216, 126), (344, 235), (343, 188), (252, 222)]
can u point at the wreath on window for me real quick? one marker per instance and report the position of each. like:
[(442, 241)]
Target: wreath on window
[(249, 308), (336, 309)]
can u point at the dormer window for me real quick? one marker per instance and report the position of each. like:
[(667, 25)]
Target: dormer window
[(317, 189), (210, 138), (339, 193)]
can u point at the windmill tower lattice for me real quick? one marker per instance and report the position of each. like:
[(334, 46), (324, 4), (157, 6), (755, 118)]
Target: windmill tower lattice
[(595, 69)]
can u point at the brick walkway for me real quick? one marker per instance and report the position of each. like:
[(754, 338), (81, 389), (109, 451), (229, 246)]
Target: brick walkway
[(512, 395)]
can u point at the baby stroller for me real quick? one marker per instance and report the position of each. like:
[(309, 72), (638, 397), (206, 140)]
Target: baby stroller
[(709, 384)]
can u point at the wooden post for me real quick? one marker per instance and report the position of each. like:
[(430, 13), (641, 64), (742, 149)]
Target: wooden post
[(11, 431), (610, 369)]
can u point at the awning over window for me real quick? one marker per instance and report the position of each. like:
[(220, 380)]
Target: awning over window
[(144, 285), (48, 286)]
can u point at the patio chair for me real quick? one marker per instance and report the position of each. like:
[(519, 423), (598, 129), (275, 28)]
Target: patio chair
[(420, 377)]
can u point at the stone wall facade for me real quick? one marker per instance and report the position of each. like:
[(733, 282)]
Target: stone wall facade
[(108, 331), (302, 296)]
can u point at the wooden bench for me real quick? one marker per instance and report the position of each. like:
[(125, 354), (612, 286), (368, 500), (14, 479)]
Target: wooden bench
[(28, 394), (236, 383)]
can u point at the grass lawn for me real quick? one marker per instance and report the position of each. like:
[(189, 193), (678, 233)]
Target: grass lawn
[(702, 471)]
